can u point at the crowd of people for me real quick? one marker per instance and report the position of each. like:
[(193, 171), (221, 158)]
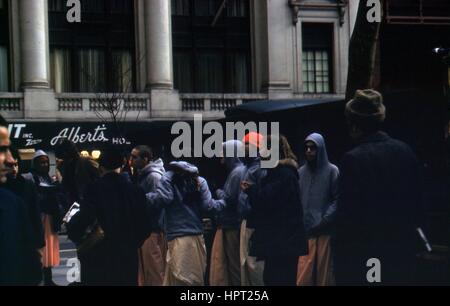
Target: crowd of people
[(141, 223)]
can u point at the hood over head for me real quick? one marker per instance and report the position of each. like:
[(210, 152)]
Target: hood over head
[(232, 149), (154, 166), (322, 155)]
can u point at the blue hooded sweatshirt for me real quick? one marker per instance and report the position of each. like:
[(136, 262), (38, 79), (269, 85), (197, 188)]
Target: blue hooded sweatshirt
[(318, 189), (229, 218), (183, 202)]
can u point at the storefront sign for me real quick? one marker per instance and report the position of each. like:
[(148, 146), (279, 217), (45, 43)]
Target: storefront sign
[(45, 135)]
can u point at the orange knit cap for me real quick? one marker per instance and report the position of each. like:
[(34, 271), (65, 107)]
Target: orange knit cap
[(255, 139)]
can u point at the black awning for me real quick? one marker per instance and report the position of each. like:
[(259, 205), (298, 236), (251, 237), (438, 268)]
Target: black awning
[(272, 106)]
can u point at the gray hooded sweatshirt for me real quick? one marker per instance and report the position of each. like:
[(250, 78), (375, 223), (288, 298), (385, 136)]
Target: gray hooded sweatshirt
[(318, 189), (148, 180), (150, 175), (229, 218)]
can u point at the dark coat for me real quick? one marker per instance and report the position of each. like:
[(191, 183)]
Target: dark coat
[(77, 175), (51, 199), (378, 211), (278, 214), (26, 190), (120, 209), (20, 263)]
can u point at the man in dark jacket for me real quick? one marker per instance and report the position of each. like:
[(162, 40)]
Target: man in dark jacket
[(279, 237), (19, 261), (27, 191), (117, 208), (149, 172), (378, 210)]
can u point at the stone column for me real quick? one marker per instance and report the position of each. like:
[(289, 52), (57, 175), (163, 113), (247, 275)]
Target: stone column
[(34, 43), (273, 49), (158, 31)]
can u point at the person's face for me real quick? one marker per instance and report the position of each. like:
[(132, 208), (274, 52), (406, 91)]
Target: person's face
[(310, 151), (354, 132), (42, 165), (136, 161), (13, 168), (5, 154)]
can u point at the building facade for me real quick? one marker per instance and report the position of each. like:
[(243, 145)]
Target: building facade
[(165, 60)]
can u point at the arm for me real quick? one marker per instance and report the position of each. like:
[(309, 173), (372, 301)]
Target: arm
[(141, 217), (207, 202), (35, 216), (347, 216), (79, 223), (232, 189), (163, 196), (330, 214)]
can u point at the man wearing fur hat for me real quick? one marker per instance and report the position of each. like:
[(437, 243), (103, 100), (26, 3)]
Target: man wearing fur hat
[(379, 204)]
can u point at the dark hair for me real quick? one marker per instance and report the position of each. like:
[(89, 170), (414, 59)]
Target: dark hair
[(3, 122), (283, 146), (145, 152), (66, 149), (111, 158)]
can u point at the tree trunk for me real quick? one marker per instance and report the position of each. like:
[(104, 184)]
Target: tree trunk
[(362, 52)]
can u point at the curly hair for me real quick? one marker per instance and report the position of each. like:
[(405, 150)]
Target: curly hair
[(283, 146)]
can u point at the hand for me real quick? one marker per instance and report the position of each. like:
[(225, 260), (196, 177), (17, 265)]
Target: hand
[(245, 185), (220, 193)]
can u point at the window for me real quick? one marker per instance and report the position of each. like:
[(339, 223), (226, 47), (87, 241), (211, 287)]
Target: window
[(237, 8), (180, 7), (91, 63), (182, 70), (96, 55), (316, 76), (317, 61), (61, 70), (57, 5), (211, 57), (208, 77), (4, 46), (206, 7)]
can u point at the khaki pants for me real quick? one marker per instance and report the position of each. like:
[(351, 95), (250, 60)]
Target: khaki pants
[(251, 270), (316, 268), (186, 262), (152, 260), (225, 260)]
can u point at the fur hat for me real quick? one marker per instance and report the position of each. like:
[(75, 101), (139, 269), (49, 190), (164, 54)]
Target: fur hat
[(111, 158), (367, 105), (39, 153)]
